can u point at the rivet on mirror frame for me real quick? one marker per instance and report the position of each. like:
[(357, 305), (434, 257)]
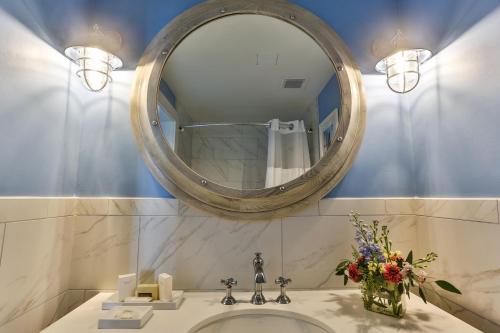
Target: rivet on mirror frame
[(340, 68), (154, 123), (292, 17), (339, 139), (203, 182), (164, 52), (282, 188), (222, 11)]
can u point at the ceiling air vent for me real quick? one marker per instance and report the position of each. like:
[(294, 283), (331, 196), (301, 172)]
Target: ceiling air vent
[(293, 83)]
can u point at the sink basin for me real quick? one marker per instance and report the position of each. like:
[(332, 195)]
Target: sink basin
[(260, 321)]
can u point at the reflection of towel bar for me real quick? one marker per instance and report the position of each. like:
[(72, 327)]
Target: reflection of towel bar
[(181, 128)]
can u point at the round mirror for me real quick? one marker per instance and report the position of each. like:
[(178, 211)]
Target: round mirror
[(244, 98), (248, 108)]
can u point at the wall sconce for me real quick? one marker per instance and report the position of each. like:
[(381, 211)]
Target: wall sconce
[(96, 64), (402, 67)]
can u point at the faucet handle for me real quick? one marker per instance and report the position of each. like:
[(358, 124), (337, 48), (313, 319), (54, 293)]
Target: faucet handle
[(283, 282), (229, 282)]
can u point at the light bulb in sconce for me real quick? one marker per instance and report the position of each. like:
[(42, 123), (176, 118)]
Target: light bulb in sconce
[(95, 65), (403, 68)]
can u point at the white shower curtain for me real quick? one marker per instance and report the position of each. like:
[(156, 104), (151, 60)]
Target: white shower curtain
[(287, 152)]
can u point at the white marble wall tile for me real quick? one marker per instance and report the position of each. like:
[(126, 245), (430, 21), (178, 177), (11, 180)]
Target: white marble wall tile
[(35, 264), (313, 246), (468, 258), (402, 206), (188, 210), (70, 300), (143, 206), (18, 209), (91, 206), (104, 247), (61, 207), (36, 319), (462, 313), (2, 233), (482, 210), (89, 293), (310, 210), (340, 206), (199, 251)]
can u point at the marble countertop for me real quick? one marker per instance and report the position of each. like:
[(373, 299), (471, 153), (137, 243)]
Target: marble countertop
[(339, 310)]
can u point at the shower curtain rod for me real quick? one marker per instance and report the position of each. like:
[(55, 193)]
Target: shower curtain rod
[(290, 126)]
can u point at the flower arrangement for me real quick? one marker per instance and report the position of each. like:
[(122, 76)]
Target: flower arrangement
[(384, 275)]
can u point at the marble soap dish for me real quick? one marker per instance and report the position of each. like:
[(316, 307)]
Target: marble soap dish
[(177, 297)]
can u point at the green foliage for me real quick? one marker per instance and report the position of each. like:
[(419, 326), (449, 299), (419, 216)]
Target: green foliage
[(448, 286), (422, 295), (409, 259), (342, 266)]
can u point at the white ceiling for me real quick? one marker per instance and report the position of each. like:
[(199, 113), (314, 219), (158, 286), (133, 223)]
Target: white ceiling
[(226, 70)]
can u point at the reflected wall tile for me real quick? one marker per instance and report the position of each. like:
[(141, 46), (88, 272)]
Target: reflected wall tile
[(483, 210), (18, 209), (91, 206), (467, 258), (35, 264), (104, 247), (312, 246), (143, 206), (330, 206), (35, 320), (199, 251), (213, 170)]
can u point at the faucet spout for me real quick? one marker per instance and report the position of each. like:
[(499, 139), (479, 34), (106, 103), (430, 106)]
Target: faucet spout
[(259, 279)]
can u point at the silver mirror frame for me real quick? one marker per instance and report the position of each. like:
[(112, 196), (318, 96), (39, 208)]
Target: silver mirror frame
[(185, 184)]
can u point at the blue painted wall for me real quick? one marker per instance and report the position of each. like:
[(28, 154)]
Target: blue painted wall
[(167, 92), (56, 138), (329, 98)]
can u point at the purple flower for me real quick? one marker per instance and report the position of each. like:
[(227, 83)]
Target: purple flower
[(372, 251)]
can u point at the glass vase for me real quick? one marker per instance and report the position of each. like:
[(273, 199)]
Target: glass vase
[(385, 301)]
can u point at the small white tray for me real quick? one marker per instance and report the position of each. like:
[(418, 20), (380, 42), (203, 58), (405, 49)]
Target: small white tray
[(174, 304), (112, 319)]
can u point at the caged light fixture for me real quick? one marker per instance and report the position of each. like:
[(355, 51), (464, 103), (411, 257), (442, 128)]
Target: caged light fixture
[(95, 64), (402, 67)]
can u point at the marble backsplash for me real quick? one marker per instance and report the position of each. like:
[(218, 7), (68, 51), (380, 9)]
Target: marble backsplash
[(57, 252)]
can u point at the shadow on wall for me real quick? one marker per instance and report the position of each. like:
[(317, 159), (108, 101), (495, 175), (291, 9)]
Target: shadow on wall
[(383, 166), (430, 23), (436, 24)]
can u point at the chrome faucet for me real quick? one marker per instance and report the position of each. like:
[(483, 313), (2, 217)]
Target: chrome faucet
[(259, 279)]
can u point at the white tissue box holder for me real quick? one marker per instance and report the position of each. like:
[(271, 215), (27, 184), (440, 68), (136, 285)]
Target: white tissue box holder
[(177, 298)]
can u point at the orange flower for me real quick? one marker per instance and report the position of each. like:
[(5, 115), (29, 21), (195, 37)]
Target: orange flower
[(392, 273)]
